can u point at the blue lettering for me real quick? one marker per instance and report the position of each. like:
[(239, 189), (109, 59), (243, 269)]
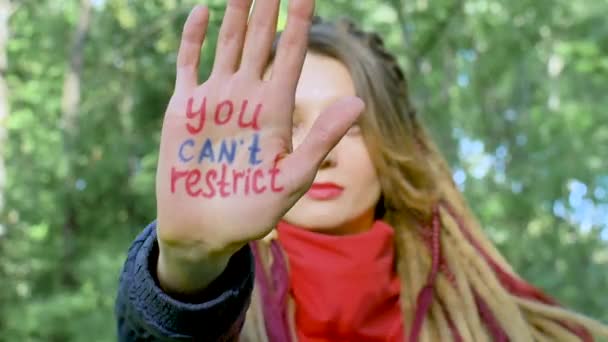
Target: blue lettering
[(206, 152), (226, 153), (254, 149), (189, 142)]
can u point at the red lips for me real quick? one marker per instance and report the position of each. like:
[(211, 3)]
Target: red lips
[(324, 191)]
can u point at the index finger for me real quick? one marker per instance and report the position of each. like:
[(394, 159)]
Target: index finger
[(293, 43), (188, 56)]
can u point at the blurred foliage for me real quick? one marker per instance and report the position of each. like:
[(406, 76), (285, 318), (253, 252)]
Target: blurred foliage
[(514, 93)]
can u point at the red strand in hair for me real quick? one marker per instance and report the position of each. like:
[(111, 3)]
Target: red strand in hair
[(497, 332), (425, 296), (443, 267), (512, 284), (427, 236), (274, 296)]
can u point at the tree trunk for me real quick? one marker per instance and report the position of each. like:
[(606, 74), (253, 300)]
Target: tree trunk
[(70, 106), (5, 11)]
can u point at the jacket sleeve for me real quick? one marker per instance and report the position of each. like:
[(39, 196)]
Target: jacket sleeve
[(145, 313)]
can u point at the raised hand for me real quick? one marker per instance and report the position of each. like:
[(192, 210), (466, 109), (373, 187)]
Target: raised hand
[(226, 172)]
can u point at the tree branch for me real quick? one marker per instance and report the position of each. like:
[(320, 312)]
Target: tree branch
[(440, 28), (398, 7)]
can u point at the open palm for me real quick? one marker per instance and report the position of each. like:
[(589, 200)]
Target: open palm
[(226, 172)]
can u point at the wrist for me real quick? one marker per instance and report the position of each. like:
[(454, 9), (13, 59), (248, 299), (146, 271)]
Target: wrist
[(183, 271)]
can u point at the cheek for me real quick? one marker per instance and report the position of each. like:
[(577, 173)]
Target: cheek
[(370, 183), (367, 178), (371, 190)]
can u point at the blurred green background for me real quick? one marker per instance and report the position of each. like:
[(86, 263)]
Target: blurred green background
[(513, 91)]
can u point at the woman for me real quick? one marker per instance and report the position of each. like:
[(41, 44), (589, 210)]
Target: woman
[(372, 242)]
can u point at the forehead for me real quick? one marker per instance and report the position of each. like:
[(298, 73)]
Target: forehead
[(323, 78)]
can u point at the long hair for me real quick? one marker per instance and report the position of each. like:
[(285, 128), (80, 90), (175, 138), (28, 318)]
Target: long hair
[(456, 286)]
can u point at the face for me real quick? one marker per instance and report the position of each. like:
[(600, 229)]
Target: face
[(346, 189)]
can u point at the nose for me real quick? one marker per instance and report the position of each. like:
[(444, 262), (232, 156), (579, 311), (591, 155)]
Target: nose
[(329, 160)]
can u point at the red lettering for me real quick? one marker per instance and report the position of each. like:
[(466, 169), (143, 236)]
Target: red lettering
[(247, 177), (222, 182), (218, 111), (254, 120), (193, 177), (211, 175), (217, 182), (191, 114), (175, 176), (274, 172), (258, 173), (235, 179)]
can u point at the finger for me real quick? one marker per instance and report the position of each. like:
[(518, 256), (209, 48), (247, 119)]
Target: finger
[(260, 36), (188, 55), (231, 37), (331, 125), (292, 45)]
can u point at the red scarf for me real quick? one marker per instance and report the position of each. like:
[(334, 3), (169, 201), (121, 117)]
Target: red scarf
[(345, 287)]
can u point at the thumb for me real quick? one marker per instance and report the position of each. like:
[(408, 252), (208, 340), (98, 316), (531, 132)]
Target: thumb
[(331, 125)]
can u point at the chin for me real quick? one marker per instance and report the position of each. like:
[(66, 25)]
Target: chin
[(330, 218), (315, 217), (317, 223)]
